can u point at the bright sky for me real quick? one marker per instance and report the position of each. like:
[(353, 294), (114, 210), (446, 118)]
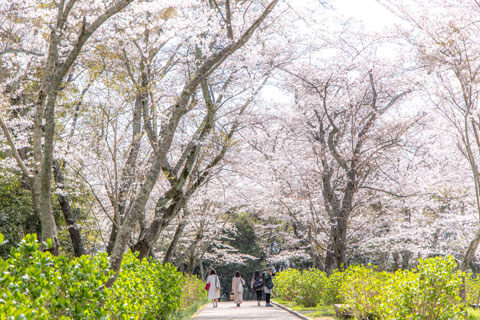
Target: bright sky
[(370, 12)]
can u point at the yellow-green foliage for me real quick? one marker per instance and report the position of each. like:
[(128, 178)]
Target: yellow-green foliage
[(36, 285), (362, 290), (332, 288), (193, 291), (472, 286), (308, 287), (286, 284), (311, 287), (145, 290), (429, 293)]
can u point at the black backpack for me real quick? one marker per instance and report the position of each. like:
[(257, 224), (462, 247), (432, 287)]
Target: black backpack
[(258, 284)]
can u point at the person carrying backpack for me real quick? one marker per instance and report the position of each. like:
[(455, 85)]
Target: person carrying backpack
[(257, 286), (268, 285)]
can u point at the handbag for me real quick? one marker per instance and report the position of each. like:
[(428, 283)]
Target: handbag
[(240, 288), (207, 286), (232, 296)]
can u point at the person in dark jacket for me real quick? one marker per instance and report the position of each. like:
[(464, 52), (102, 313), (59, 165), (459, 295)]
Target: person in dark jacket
[(257, 286), (268, 285)]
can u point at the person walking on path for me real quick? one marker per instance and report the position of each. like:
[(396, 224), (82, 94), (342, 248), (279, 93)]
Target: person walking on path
[(268, 285), (237, 288), (257, 286), (213, 284)]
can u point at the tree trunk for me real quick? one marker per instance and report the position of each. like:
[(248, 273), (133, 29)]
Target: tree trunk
[(340, 243), (113, 235), (330, 260), (64, 201), (472, 248), (173, 245), (44, 176)]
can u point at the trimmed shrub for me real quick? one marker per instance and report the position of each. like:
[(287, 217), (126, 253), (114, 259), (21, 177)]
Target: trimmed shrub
[(308, 287), (36, 285), (145, 290), (429, 293), (286, 284), (332, 289), (311, 287), (363, 290)]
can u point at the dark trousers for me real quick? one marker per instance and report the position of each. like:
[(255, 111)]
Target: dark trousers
[(267, 297), (259, 294)]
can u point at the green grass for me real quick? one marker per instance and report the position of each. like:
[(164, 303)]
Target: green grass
[(190, 311), (318, 312)]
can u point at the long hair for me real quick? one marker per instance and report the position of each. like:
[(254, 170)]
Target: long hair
[(257, 275), (213, 272), (237, 274)]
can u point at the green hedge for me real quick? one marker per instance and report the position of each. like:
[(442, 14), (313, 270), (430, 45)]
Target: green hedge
[(286, 284), (308, 288), (430, 292), (145, 290), (37, 285), (472, 285)]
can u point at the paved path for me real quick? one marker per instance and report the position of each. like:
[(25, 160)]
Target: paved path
[(248, 310)]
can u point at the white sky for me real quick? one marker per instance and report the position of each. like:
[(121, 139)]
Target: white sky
[(369, 12)]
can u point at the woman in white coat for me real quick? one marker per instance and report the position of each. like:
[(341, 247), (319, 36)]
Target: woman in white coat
[(214, 289), (237, 288)]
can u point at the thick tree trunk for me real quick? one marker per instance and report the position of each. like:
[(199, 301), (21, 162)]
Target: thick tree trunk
[(330, 260), (64, 200), (146, 242)]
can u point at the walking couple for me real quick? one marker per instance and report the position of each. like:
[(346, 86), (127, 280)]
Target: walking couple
[(263, 283)]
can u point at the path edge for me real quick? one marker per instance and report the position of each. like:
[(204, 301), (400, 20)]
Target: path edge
[(299, 315), (198, 311)]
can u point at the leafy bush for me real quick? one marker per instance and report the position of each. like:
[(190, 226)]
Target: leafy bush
[(472, 286), (37, 285), (332, 288), (145, 290), (286, 284), (434, 293), (429, 292), (193, 291), (194, 296), (311, 285), (363, 290)]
